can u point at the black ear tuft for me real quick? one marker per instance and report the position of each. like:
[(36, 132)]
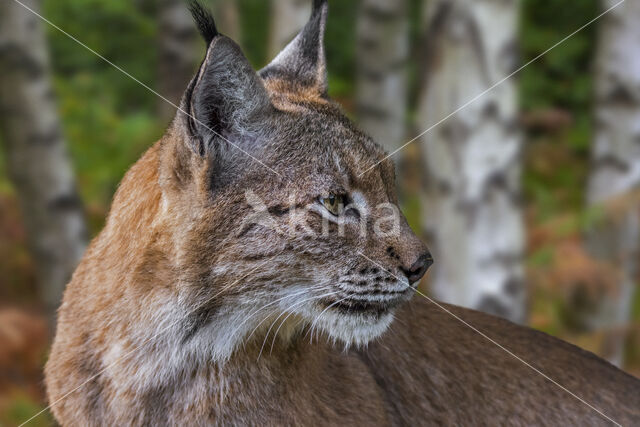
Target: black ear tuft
[(204, 20), (303, 61), (317, 7)]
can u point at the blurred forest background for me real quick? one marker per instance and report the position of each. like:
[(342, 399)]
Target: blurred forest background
[(528, 197)]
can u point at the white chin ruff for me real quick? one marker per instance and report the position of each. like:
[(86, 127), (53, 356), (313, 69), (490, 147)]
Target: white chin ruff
[(356, 329)]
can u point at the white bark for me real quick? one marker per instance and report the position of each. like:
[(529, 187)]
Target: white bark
[(35, 149), (382, 55), (287, 19), (472, 166), (616, 168), (177, 56)]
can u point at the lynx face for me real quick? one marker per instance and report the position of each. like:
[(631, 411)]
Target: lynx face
[(287, 230)]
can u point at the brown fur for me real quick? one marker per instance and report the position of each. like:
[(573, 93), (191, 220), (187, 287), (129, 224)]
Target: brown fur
[(161, 323)]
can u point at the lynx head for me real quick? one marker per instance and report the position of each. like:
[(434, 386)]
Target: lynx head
[(275, 213)]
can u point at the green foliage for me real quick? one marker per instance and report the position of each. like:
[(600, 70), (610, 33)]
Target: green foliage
[(4, 183), (103, 142), (117, 30), (254, 24), (20, 408), (541, 258), (561, 78), (109, 119), (340, 41), (411, 208), (554, 177)]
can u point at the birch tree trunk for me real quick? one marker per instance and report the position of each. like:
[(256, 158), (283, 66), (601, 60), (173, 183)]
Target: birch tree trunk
[(382, 54), (615, 175), (37, 160), (287, 19), (228, 18), (471, 208), (177, 56)]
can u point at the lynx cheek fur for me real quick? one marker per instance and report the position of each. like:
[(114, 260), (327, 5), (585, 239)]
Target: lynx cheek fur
[(183, 312)]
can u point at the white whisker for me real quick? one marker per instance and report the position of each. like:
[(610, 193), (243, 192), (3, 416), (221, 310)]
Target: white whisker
[(281, 324), (285, 311), (269, 304), (325, 310)]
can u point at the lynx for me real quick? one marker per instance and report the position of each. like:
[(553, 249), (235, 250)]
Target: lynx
[(250, 273)]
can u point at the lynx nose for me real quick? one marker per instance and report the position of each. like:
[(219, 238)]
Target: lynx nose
[(417, 270)]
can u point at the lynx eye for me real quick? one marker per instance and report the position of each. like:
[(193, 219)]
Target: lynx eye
[(334, 203)]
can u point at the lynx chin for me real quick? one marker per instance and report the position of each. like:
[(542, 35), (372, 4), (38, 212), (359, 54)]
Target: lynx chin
[(250, 273)]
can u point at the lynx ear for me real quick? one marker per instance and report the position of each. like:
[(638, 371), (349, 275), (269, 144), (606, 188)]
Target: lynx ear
[(226, 94), (303, 61)]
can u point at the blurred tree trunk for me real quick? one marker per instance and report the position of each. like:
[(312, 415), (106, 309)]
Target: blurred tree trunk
[(382, 54), (615, 176), (37, 159), (472, 210), (287, 18), (177, 56), (227, 18)]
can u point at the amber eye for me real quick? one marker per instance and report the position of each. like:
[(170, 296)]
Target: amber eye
[(334, 203)]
